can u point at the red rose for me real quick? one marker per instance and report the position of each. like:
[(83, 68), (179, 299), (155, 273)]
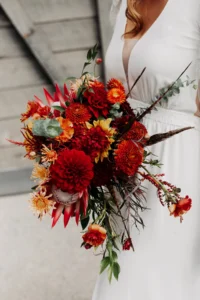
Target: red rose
[(72, 172)]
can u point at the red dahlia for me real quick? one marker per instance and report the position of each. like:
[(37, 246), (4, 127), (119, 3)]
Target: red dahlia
[(78, 113), (137, 132), (129, 157), (72, 172), (97, 100)]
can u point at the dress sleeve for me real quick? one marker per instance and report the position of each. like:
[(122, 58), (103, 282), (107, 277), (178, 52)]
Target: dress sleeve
[(114, 11)]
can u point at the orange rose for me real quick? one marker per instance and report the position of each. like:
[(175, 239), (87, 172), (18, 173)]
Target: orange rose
[(180, 208), (95, 236)]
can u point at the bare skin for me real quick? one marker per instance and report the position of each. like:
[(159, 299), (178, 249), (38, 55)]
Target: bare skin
[(150, 11)]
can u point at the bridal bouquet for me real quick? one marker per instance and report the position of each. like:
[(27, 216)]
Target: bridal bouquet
[(91, 158)]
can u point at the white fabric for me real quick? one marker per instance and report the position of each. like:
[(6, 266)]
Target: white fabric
[(166, 264)]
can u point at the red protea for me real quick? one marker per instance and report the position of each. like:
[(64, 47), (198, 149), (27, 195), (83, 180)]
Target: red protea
[(78, 113), (72, 172), (95, 236), (137, 132), (128, 157), (97, 100), (116, 95), (180, 208), (115, 84)]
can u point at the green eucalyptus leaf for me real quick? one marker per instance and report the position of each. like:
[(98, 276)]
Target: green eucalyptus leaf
[(104, 263), (49, 128)]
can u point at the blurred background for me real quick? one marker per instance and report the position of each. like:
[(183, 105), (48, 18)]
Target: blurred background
[(41, 42)]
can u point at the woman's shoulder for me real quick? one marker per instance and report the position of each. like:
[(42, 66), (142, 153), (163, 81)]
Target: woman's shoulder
[(115, 8)]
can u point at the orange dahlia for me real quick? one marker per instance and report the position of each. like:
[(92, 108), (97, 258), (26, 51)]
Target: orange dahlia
[(115, 84), (78, 113), (116, 95), (180, 208), (95, 236), (68, 130), (128, 157)]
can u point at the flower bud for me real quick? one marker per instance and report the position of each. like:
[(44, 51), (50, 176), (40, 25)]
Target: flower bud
[(99, 61)]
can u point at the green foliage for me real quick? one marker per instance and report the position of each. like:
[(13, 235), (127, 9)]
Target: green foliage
[(49, 128), (104, 263), (85, 222), (60, 108), (175, 90)]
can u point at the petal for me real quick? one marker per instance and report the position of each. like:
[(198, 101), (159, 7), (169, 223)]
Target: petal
[(39, 101), (49, 98), (77, 212), (57, 214), (67, 214), (60, 96), (85, 199)]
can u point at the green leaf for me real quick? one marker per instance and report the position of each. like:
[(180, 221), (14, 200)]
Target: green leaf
[(114, 256), (104, 263), (60, 108), (86, 64), (89, 54), (110, 273), (84, 222), (116, 269), (49, 128)]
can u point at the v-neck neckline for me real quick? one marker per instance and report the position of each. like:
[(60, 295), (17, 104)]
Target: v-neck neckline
[(142, 38)]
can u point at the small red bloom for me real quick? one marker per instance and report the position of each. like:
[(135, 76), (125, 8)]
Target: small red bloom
[(129, 157), (99, 61), (97, 100), (32, 108), (44, 111), (127, 244), (95, 236), (180, 208), (72, 172)]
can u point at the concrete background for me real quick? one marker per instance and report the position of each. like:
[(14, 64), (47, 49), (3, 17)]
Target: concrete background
[(40, 263)]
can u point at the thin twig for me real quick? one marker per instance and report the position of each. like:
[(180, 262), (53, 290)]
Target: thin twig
[(149, 109), (136, 81)]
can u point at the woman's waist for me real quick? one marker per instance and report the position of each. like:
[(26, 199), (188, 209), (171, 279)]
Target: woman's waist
[(168, 116)]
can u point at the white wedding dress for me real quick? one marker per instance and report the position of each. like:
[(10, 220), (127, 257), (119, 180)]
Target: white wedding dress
[(166, 262)]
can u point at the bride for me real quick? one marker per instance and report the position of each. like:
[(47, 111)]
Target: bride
[(164, 37)]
